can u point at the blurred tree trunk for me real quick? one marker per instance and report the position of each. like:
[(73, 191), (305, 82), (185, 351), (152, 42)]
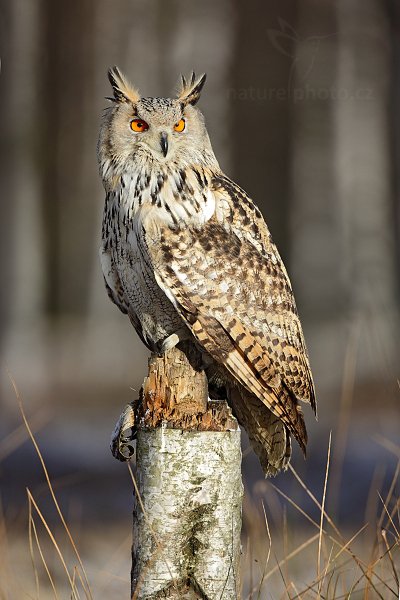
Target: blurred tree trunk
[(365, 183), (342, 226), (314, 215), (20, 231), (394, 22), (260, 108), (68, 152), (7, 158)]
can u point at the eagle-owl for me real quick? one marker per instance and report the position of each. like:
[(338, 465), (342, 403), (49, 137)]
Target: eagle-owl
[(187, 255)]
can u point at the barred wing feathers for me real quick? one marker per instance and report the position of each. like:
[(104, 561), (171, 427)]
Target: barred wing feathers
[(228, 282)]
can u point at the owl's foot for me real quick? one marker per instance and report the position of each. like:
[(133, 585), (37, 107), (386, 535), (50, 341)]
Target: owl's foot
[(124, 434), (170, 342)]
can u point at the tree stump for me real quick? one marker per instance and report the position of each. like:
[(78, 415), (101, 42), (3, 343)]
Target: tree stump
[(187, 511)]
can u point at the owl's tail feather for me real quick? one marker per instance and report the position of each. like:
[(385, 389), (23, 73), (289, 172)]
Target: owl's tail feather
[(269, 436)]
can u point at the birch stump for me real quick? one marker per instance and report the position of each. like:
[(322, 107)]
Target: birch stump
[(188, 496)]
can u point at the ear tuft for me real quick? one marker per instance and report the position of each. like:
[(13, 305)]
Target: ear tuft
[(123, 90), (191, 89)]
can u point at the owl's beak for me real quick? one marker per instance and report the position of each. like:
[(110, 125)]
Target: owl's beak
[(164, 143)]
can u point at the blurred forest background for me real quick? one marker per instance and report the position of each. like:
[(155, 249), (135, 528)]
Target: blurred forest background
[(302, 105)]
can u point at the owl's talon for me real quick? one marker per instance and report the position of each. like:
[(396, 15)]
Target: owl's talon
[(124, 433), (170, 342), (126, 451)]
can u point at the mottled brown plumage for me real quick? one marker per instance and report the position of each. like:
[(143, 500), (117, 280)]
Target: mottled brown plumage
[(188, 256)]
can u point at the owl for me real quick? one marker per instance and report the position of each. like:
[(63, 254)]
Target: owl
[(187, 255)]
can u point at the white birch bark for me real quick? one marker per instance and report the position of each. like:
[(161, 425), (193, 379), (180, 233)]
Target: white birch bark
[(187, 515)]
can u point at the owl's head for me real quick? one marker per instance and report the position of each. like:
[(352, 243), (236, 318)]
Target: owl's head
[(153, 132)]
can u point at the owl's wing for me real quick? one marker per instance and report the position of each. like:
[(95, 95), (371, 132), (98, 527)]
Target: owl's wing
[(111, 280), (235, 297), (248, 224), (116, 291)]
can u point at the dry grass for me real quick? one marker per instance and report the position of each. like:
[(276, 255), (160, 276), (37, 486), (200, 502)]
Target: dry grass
[(366, 565), (289, 552)]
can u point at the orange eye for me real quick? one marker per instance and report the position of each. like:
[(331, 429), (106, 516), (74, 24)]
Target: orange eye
[(139, 125), (180, 125)]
